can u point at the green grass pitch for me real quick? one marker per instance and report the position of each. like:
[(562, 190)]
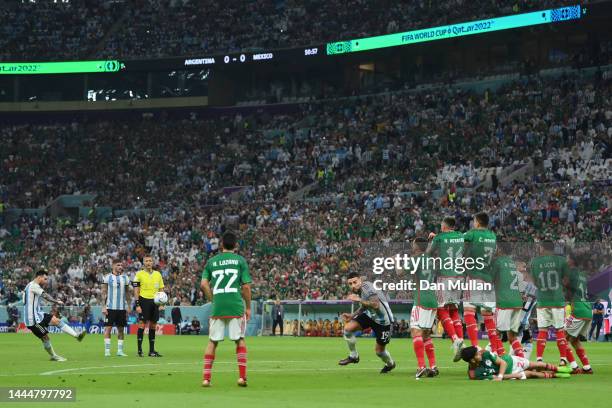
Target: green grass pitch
[(283, 372)]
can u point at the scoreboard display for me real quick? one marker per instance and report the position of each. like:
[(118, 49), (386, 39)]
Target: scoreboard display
[(300, 55)]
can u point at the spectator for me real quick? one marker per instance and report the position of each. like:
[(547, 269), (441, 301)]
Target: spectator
[(598, 315), (278, 316), (176, 317)]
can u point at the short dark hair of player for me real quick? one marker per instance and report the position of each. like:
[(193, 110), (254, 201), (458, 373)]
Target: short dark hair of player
[(421, 243), (482, 218), (548, 246), (41, 272), (352, 275), (468, 353), (449, 222), (229, 240)]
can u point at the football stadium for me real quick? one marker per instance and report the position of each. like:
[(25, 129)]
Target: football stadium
[(305, 203)]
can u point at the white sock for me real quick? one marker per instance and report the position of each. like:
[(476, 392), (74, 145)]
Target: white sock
[(351, 341), (67, 329), (586, 367), (385, 357), (573, 364), (107, 344), (119, 346), (48, 348)]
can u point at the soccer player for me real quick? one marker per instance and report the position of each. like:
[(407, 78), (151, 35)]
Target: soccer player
[(577, 324), (423, 314), (374, 313), (228, 273), (484, 365), (146, 283), (509, 301), (37, 321), (480, 243), (448, 244), (550, 271), (115, 291)]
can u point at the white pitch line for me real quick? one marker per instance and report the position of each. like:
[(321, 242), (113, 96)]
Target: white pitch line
[(66, 370), (265, 370)]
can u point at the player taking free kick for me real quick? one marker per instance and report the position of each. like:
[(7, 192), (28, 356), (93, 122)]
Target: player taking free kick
[(37, 321), (231, 292)]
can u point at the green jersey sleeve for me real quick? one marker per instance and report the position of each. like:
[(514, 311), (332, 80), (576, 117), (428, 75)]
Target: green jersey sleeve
[(206, 272), (245, 276)]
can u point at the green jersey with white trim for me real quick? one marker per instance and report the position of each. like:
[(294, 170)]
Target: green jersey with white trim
[(581, 307), (448, 246), (488, 368), (548, 272), (506, 278), (227, 272), (480, 243), (425, 297)]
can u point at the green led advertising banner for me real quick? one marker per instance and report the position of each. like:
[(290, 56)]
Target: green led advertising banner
[(72, 67), (456, 30)]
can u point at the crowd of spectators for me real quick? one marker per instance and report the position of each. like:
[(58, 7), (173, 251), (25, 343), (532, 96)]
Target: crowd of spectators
[(360, 157), (43, 30), (416, 141), (295, 250)]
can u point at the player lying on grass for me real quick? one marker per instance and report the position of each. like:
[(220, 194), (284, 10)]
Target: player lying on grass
[(484, 365), (37, 321), (374, 312)]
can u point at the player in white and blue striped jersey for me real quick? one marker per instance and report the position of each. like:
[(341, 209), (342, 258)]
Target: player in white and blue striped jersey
[(115, 290), (37, 321), (374, 313)]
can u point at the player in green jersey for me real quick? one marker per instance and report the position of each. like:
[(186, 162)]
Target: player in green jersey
[(423, 314), (509, 301), (484, 365), (480, 246), (448, 247), (550, 273), (228, 274), (577, 324)]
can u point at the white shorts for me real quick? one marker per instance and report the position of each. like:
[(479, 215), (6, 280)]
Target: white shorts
[(508, 320), (551, 316), (449, 296), (474, 298), (421, 318), (519, 364), (577, 327), (236, 328)]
